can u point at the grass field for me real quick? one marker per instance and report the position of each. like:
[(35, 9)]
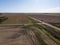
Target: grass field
[(12, 33), (15, 19)]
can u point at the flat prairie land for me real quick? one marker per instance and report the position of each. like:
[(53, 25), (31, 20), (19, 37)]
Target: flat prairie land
[(47, 18), (35, 34), (15, 19), (17, 36)]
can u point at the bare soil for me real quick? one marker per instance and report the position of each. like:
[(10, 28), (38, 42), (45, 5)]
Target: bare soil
[(17, 36), (15, 18)]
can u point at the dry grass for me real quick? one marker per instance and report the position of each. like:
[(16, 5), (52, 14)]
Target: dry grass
[(14, 36), (15, 18), (47, 18)]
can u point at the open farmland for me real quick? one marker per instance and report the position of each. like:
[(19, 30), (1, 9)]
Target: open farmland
[(17, 36), (47, 18), (53, 18), (29, 29), (15, 18)]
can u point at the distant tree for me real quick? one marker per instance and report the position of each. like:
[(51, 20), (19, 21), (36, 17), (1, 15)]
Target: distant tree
[(3, 18)]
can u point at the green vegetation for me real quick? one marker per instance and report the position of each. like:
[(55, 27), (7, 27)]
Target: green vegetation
[(52, 37), (31, 21), (56, 24), (2, 19), (48, 33), (54, 29), (37, 33)]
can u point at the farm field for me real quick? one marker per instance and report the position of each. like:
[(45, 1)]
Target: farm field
[(15, 18), (23, 36), (47, 18), (30, 29), (17, 36), (23, 17)]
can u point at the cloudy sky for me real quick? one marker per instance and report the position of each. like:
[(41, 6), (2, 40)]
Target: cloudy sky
[(30, 6)]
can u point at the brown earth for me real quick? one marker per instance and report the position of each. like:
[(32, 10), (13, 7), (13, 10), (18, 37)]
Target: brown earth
[(47, 18), (17, 36), (17, 18)]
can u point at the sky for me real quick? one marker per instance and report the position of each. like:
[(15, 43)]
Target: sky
[(30, 6)]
